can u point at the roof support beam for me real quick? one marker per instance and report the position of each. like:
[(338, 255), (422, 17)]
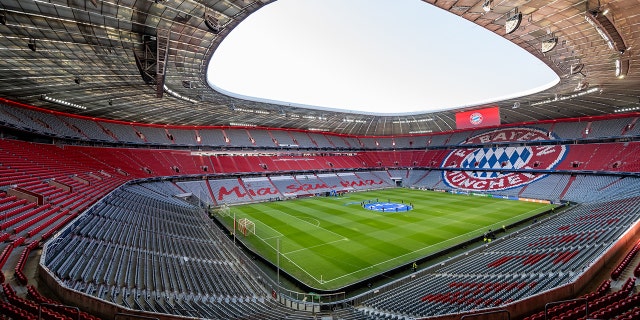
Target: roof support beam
[(162, 53)]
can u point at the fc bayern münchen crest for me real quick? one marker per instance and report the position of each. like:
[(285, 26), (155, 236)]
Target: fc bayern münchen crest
[(475, 118), (489, 169)]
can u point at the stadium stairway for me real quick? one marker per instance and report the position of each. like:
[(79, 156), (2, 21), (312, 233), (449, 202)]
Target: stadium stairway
[(627, 273), (567, 187), (602, 304), (616, 298), (629, 267), (31, 172), (27, 224)]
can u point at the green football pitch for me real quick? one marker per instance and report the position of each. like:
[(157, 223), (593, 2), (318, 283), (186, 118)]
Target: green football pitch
[(331, 242)]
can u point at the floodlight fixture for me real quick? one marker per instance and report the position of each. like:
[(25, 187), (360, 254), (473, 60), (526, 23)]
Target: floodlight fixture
[(32, 44), (549, 43), (577, 68), (420, 131), (627, 109), (486, 6), (583, 84), (622, 68), (513, 22), (242, 124), (606, 29), (62, 102), (212, 23), (177, 95)]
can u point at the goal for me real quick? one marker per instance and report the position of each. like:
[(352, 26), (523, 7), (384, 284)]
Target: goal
[(224, 210), (246, 226)]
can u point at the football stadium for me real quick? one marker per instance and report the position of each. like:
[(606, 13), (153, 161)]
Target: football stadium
[(131, 188)]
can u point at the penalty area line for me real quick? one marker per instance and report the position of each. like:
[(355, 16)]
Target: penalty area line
[(318, 245), (316, 221), (317, 226), (278, 234), (462, 236), (269, 238), (400, 256)]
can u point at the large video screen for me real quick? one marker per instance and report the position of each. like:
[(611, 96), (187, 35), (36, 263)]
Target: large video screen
[(486, 117)]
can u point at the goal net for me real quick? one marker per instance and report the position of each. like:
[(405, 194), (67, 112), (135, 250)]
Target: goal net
[(246, 226), (224, 210)]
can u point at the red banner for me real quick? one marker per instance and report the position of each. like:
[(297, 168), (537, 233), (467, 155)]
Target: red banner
[(478, 118)]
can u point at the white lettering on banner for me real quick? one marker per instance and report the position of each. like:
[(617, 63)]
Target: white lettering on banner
[(481, 167)]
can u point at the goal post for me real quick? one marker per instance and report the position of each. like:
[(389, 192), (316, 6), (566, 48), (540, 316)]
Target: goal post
[(246, 226), (224, 210)]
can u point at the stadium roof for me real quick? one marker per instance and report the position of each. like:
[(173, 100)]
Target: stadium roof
[(100, 58)]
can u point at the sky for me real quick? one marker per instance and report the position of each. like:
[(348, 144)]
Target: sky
[(385, 57)]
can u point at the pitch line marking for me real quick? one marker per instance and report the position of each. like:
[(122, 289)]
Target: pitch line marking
[(280, 235), (291, 261), (303, 218), (319, 227), (371, 266), (303, 270), (406, 254), (318, 245)]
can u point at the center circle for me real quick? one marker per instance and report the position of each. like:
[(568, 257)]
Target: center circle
[(387, 206)]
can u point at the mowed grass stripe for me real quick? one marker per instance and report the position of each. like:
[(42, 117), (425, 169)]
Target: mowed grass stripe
[(356, 255), (343, 259), (331, 242), (301, 233)]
